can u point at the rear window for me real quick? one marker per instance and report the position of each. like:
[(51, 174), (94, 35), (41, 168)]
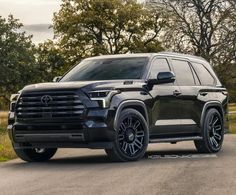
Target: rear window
[(203, 74)]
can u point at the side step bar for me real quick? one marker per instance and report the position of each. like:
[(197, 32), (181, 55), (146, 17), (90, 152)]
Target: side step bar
[(175, 139)]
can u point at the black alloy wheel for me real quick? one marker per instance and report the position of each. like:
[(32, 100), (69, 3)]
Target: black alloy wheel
[(215, 129), (132, 137), (212, 133)]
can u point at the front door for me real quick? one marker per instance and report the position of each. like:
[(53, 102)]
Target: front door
[(166, 106)]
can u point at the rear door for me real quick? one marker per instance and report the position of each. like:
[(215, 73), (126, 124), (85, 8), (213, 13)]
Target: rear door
[(189, 86), (207, 89)]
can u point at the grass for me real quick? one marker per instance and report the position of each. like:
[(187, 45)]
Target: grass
[(232, 107), (7, 153), (232, 124), (232, 118), (3, 121)]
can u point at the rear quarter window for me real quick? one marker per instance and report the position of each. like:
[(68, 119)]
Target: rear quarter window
[(203, 74)]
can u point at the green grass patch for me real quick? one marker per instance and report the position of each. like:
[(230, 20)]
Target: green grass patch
[(6, 150), (232, 123), (232, 107), (3, 125), (232, 118)]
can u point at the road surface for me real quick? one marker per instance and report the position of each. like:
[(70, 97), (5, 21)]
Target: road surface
[(166, 169)]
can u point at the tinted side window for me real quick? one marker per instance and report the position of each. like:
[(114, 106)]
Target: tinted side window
[(183, 73), (159, 65), (203, 74), (197, 82)]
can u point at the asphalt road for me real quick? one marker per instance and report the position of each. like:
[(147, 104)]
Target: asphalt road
[(166, 169)]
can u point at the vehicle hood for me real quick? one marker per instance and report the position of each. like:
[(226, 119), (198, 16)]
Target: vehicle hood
[(86, 85)]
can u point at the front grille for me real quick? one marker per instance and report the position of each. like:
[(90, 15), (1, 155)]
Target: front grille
[(46, 105)]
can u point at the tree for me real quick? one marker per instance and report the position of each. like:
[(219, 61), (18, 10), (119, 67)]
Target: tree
[(17, 61), (50, 62), (95, 27), (204, 28), (200, 26)]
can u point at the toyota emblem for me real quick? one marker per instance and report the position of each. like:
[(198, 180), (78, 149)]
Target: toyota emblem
[(46, 99)]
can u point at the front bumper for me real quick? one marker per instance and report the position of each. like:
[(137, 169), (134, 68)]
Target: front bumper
[(61, 135), (95, 131)]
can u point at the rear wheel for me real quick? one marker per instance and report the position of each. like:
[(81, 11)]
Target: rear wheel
[(36, 154), (212, 133), (132, 137)]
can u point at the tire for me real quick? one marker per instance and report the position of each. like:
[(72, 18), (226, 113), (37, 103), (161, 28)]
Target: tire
[(212, 133), (132, 137), (35, 155)]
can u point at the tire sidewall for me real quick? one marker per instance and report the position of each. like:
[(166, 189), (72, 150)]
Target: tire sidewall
[(30, 155), (206, 136)]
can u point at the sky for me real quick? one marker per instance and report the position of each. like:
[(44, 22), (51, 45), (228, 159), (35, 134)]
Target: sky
[(36, 15)]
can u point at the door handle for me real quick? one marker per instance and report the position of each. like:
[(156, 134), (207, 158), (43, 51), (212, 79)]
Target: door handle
[(176, 93), (203, 93)]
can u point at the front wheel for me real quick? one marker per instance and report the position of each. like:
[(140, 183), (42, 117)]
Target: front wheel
[(36, 154), (212, 133), (132, 137)]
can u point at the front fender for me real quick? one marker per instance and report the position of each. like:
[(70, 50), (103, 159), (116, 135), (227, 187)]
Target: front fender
[(131, 100)]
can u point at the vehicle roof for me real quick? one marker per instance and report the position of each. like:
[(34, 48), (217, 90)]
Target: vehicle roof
[(123, 56), (150, 55), (186, 56)]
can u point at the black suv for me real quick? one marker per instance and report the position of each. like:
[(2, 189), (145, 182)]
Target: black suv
[(121, 103)]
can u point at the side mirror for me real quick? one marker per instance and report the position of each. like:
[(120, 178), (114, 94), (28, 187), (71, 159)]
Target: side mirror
[(56, 79), (163, 77)]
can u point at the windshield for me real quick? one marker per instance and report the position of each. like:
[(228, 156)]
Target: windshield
[(107, 69)]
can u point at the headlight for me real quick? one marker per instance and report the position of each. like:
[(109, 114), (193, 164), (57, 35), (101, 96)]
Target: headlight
[(102, 96), (13, 100), (98, 94), (14, 97)]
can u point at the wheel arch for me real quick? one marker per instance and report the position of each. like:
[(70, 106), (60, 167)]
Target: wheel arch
[(135, 104), (212, 104)]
